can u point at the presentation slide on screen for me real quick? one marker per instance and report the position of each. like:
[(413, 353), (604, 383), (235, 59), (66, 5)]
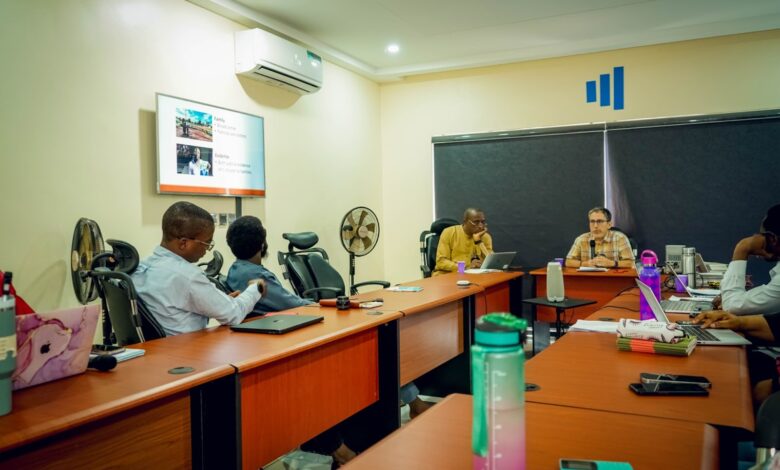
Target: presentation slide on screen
[(203, 149)]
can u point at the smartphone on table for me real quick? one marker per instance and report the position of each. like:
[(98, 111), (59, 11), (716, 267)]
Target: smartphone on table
[(668, 388), (647, 378)]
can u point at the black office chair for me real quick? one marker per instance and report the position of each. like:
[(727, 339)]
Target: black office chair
[(213, 269), (125, 318), (631, 241), (429, 242), (767, 438), (309, 271)]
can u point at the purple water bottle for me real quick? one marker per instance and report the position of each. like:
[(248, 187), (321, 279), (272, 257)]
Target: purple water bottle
[(650, 276)]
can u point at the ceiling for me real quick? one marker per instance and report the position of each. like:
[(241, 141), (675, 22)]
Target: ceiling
[(439, 35)]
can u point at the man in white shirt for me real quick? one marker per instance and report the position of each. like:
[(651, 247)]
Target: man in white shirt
[(175, 290), (765, 244)]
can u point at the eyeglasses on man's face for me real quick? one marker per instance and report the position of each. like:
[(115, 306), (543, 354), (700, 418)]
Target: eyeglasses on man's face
[(477, 222), (209, 245), (598, 221)]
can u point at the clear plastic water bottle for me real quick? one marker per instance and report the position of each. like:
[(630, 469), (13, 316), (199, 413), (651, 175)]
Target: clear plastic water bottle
[(497, 366), (555, 290), (7, 344), (652, 277)]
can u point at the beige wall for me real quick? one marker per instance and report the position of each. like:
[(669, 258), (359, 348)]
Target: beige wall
[(729, 74), (77, 128)]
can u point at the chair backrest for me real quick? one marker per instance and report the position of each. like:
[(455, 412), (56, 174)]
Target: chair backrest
[(429, 243), (118, 294), (126, 320), (307, 268), (768, 428), (213, 269)]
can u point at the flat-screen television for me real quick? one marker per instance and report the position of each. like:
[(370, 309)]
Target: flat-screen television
[(208, 150)]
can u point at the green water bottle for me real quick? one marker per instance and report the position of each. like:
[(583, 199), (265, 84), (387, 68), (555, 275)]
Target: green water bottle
[(497, 363), (7, 344)]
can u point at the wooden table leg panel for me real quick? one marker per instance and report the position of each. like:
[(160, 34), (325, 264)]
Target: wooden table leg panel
[(430, 339), (319, 387), (156, 436), (493, 299)]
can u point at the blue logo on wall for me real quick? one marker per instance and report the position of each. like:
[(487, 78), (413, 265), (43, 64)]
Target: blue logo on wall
[(603, 89)]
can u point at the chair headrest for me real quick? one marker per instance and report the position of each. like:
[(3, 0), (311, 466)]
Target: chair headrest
[(214, 266), (125, 255), (302, 240), (439, 225)]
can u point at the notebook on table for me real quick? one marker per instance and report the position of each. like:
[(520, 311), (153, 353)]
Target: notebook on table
[(277, 324), (53, 345), (704, 336), (494, 262)]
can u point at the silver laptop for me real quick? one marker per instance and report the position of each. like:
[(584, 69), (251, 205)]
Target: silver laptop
[(692, 291), (494, 262), (704, 336)]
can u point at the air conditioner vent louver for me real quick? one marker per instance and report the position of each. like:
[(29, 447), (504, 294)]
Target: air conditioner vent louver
[(263, 56)]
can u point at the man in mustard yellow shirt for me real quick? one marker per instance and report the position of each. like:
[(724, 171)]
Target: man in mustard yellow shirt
[(468, 242)]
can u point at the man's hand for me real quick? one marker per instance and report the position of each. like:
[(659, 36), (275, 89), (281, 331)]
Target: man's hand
[(235, 293), (754, 245), (476, 263), (601, 261), (260, 285), (718, 319), (478, 236)]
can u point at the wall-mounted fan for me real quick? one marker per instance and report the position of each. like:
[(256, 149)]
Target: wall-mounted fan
[(86, 246), (359, 235)]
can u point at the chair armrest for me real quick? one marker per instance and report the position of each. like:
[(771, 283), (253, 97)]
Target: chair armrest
[(332, 290), (354, 288)]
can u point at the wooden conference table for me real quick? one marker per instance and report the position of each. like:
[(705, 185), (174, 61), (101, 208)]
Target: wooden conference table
[(250, 397), (586, 370), (436, 330), (441, 438), (138, 415), (599, 286)]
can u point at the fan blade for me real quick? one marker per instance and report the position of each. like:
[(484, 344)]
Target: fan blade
[(363, 215), (355, 245), (352, 222), (366, 243), (347, 234), (371, 227)]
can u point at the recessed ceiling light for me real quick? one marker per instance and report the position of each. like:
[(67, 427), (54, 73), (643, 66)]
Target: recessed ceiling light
[(393, 49)]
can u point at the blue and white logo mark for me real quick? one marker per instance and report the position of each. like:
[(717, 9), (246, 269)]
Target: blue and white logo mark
[(603, 89)]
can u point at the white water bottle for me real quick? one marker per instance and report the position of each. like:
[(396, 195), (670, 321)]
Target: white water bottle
[(554, 282)]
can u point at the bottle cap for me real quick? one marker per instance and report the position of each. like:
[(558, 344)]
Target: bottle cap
[(500, 329), (649, 257)]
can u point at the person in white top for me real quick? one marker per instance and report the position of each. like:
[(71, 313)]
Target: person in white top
[(765, 244), (175, 290)]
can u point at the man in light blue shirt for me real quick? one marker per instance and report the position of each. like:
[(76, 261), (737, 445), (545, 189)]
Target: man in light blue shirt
[(174, 290)]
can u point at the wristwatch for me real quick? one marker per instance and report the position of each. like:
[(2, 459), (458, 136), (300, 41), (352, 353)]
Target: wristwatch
[(478, 242)]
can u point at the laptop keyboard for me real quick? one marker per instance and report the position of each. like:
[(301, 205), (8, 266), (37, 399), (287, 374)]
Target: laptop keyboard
[(684, 306), (699, 333)]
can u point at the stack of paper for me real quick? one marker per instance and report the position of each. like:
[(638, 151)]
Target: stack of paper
[(128, 353), (684, 347), (405, 289), (595, 326)]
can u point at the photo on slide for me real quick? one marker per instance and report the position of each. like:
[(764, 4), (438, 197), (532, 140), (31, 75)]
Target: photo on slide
[(192, 160), (191, 124)]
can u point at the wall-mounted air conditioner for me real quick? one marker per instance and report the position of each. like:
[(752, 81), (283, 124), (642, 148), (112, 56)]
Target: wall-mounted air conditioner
[(263, 56)]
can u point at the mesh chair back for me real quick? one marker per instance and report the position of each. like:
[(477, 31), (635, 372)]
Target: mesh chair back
[(122, 310)]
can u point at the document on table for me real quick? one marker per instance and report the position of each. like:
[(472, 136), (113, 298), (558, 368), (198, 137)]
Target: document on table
[(592, 269)]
